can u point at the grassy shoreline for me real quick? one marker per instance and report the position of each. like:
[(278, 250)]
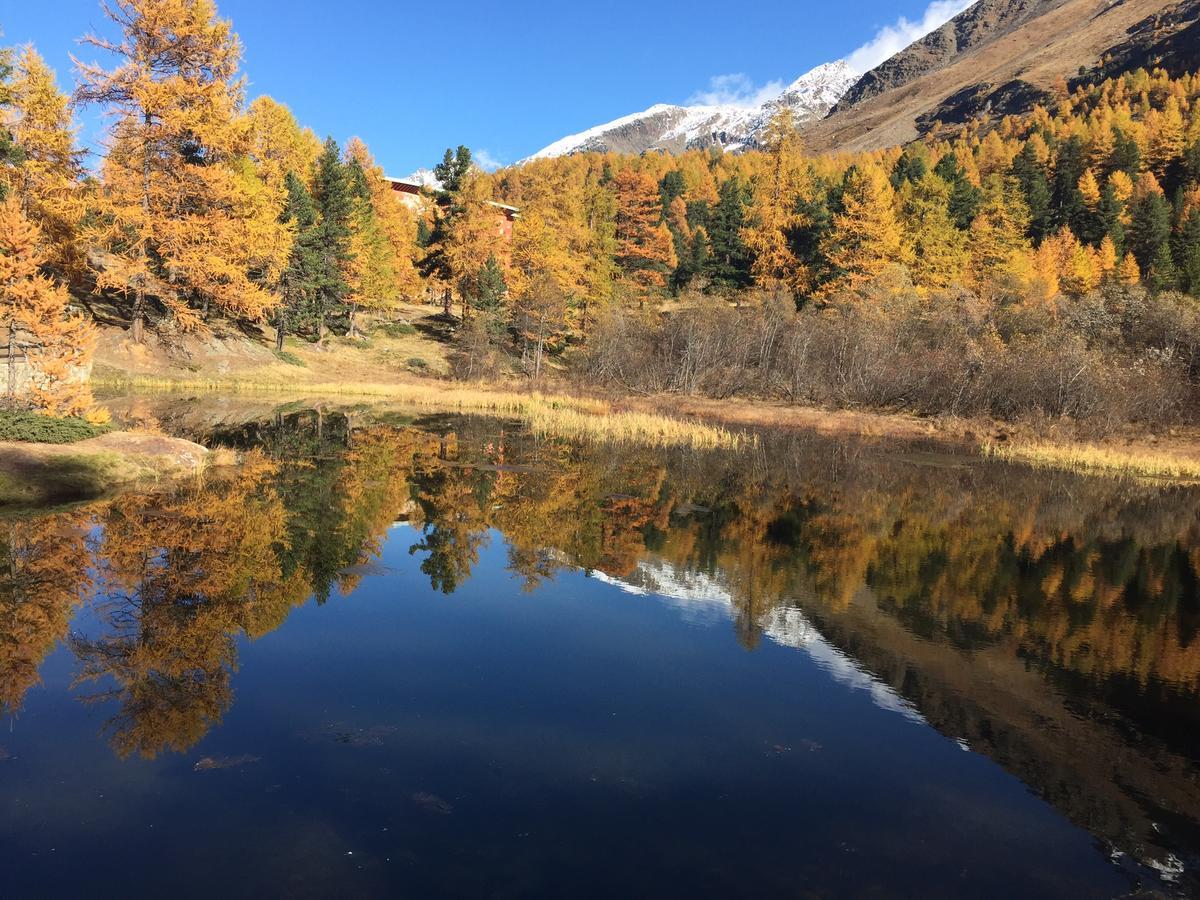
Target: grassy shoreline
[(559, 415), (700, 423)]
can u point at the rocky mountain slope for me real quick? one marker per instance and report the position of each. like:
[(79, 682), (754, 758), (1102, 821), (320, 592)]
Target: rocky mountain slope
[(1002, 56), (975, 26), (672, 128)]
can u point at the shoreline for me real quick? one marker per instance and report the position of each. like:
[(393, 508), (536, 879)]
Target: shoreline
[(40, 475), (669, 419)]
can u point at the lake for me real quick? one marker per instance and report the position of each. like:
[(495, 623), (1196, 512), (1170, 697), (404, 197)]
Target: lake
[(436, 656)]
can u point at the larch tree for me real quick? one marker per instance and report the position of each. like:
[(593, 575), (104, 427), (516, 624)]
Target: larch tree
[(998, 233), (173, 215), (539, 317), (936, 248), (395, 269), (867, 238), (372, 271), (47, 182), (774, 211), (470, 229), (645, 251), (278, 145), (54, 344)]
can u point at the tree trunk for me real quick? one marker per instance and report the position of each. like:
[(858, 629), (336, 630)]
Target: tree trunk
[(12, 360), (353, 330), (139, 316), (139, 303), (280, 330)]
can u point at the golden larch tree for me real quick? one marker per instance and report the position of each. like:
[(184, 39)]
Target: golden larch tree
[(773, 211), (174, 216), (47, 181), (645, 251), (52, 346), (866, 238)]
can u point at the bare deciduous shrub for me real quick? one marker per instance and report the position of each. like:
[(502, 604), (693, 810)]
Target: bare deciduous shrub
[(1115, 356)]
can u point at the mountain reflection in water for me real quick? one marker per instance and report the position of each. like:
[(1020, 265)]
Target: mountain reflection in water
[(1045, 621)]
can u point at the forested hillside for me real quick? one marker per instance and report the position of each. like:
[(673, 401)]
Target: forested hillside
[(1043, 264)]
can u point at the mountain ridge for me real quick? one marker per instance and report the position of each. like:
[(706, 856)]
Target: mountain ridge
[(673, 127)]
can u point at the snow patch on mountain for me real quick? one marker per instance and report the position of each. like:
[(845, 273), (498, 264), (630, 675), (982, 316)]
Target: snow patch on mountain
[(673, 128)]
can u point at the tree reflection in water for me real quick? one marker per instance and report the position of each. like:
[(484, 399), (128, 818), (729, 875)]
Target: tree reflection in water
[(1048, 620)]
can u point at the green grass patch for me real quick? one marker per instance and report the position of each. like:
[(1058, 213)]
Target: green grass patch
[(415, 362), (290, 358), (397, 329), (37, 428)]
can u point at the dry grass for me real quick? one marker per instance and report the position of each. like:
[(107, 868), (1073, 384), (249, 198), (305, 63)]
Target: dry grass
[(560, 416), (1091, 458)]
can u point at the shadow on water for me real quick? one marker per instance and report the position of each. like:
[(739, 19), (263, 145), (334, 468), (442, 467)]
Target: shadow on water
[(1044, 621)]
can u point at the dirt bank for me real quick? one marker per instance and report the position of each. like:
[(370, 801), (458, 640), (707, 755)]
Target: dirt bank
[(39, 474)]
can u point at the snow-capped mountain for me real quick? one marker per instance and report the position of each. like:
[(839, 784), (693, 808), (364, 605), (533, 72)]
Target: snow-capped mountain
[(673, 129), (424, 178)]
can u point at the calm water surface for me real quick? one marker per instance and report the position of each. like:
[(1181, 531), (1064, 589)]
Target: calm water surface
[(444, 658)]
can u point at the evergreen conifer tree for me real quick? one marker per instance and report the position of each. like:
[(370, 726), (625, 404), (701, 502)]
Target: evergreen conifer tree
[(1032, 176), (1187, 253), (1149, 227), (729, 259), (300, 278), (964, 196), (454, 167), (332, 192)]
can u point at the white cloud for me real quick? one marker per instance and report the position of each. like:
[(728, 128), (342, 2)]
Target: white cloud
[(891, 39), (736, 90), (485, 160)]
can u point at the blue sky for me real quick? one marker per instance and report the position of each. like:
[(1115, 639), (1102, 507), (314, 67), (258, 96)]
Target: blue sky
[(505, 79)]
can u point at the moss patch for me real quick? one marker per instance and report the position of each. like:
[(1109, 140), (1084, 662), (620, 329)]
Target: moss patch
[(36, 428)]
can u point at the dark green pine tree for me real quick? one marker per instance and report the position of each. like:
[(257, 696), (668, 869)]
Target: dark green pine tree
[(1110, 218), (1066, 203), (1125, 155), (806, 241), (683, 254), (670, 187), (487, 294), (1187, 253), (964, 196), (301, 276), (453, 169), (424, 234), (698, 252), (1191, 162), (1035, 186), (333, 192), (1162, 275), (729, 259), (909, 167), (1149, 229)]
